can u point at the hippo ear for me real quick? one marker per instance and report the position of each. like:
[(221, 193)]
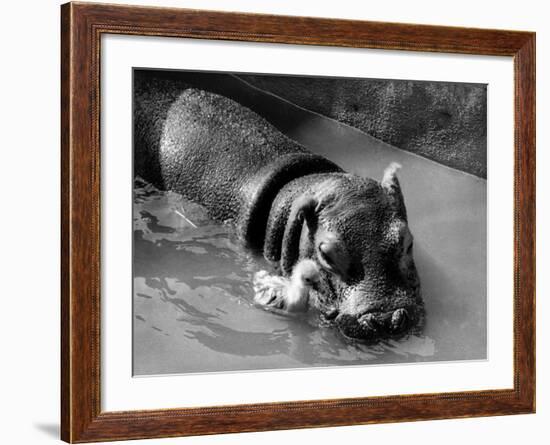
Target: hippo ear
[(304, 208), (391, 186)]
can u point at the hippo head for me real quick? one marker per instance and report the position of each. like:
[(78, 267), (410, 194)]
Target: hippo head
[(356, 229)]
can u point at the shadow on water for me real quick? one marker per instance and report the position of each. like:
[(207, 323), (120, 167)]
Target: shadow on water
[(307, 344), (187, 262), (192, 282)]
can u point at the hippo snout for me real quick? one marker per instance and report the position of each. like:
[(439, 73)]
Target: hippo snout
[(377, 325), (391, 322), (399, 321)]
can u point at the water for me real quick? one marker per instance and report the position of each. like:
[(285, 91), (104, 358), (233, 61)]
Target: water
[(193, 309)]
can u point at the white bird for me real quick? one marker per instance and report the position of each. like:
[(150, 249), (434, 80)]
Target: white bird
[(291, 295)]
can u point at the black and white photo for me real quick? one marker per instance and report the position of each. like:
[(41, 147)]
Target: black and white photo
[(284, 222)]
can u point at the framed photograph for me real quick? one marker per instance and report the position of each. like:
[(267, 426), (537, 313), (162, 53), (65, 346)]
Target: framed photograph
[(274, 222)]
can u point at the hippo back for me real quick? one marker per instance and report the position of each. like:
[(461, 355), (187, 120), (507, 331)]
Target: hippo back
[(224, 156)]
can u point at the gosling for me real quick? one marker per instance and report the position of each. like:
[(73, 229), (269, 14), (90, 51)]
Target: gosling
[(290, 295)]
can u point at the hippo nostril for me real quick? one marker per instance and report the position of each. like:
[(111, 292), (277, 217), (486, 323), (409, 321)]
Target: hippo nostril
[(399, 320), (370, 321)]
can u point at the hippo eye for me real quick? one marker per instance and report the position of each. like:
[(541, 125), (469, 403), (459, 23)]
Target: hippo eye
[(333, 256), (325, 256)]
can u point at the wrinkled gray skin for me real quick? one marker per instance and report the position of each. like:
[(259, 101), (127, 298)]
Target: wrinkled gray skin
[(287, 203)]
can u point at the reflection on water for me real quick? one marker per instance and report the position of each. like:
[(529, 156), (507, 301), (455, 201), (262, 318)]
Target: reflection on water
[(193, 309)]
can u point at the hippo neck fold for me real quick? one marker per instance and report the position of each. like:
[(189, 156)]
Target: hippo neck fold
[(262, 188)]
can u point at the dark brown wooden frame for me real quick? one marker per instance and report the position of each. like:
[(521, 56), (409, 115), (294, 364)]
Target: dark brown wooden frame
[(82, 25)]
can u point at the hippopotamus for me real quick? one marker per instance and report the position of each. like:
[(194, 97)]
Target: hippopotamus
[(287, 204)]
